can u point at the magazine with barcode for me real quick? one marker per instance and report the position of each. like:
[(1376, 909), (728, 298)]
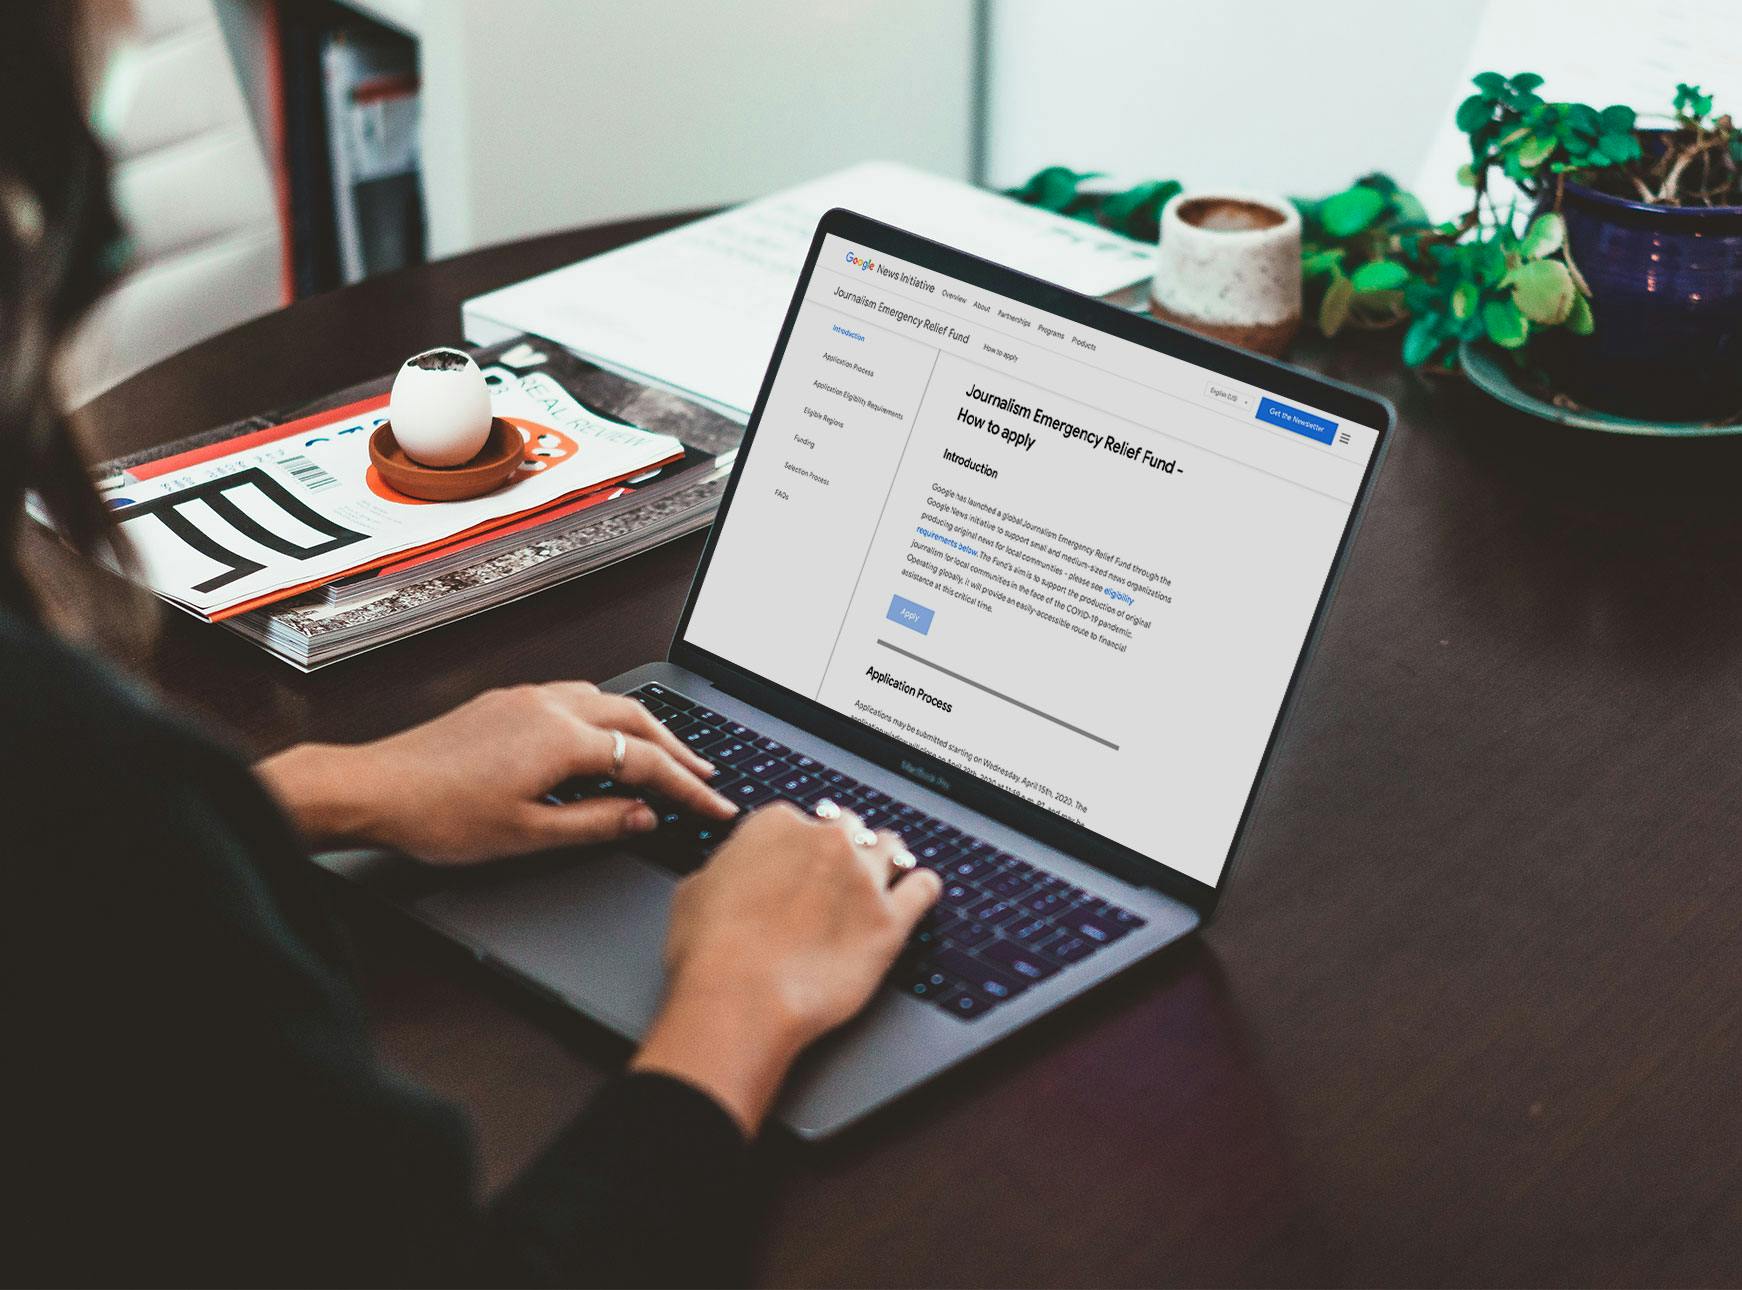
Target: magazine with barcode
[(547, 533), (313, 631)]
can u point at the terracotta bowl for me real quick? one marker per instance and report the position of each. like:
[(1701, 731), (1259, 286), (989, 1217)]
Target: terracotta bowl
[(502, 454)]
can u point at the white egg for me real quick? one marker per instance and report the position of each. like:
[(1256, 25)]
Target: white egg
[(440, 408)]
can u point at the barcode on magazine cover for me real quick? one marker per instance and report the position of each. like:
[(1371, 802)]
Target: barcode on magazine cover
[(309, 475)]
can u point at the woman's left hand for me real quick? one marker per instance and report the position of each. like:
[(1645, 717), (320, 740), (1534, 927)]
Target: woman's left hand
[(469, 785)]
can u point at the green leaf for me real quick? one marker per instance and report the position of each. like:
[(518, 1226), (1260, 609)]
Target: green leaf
[(1408, 208), (1467, 175), (1505, 326), (1690, 101), (1165, 192), (1464, 298), (1534, 150), (1024, 192), (1582, 120), (1544, 291), (1490, 83), (1377, 308), (1487, 261), (1618, 119), (1380, 275), (1579, 321), (1334, 308), (1118, 208), (1321, 261), (1055, 187), (1546, 235), (1418, 297), (1526, 81), (1037, 182), (1350, 211), (1473, 113), (1420, 341), (1619, 148)]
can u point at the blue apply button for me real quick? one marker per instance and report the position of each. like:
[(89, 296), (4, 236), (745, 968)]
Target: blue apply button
[(916, 618), (1313, 426)]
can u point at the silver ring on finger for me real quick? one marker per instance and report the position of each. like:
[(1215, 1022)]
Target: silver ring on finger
[(827, 810), (903, 860), (863, 838), (619, 751)]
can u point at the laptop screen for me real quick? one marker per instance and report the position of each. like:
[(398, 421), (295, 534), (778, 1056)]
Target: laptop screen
[(1070, 565)]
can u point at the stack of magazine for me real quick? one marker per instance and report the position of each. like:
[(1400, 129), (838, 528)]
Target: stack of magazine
[(279, 529), (632, 411)]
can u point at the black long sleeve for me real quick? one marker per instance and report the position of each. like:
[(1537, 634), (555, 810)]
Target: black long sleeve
[(194, 1099)]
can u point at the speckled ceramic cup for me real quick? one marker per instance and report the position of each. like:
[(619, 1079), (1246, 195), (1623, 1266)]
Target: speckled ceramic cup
[(1228, 266)]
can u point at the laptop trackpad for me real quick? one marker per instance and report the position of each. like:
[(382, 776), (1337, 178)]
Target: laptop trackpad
[(589, 931)]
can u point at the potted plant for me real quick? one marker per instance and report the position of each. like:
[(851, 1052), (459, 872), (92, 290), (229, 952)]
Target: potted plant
[(1652, 223), (1611, 270)]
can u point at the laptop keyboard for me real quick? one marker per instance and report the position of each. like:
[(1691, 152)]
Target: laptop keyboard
[(1002, 924)]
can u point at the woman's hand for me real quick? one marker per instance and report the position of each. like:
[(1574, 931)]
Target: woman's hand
[(781, 937), (468, 785)]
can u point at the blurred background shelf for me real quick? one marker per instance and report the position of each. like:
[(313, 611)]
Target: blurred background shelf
[(539, 115), (404, 16)]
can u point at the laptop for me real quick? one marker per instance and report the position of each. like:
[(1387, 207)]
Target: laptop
[(1022, 575)]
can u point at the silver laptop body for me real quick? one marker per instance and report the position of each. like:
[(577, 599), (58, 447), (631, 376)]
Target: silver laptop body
[(586, 929)]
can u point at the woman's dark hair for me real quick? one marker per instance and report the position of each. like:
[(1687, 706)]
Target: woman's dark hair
[(59, 248)]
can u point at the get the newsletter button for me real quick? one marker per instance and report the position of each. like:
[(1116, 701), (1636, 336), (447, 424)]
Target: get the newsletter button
[(1314, 427), (916, 618)]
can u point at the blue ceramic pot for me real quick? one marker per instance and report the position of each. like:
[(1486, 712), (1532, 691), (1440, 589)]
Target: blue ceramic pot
[(1666, 294)]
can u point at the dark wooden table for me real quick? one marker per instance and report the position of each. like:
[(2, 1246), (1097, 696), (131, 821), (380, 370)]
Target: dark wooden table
[(1471, 1012)]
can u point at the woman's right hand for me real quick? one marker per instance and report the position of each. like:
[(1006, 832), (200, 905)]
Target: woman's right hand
[(781, 937)]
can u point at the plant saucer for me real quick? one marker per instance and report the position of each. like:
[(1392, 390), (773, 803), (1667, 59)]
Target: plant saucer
[(494, 465), (1490, 371)]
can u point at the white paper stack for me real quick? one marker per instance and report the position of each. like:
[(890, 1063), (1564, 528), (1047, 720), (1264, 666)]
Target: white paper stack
[(697, 309)]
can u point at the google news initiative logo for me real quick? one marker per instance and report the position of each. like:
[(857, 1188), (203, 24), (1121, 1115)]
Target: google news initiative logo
[(906, 279)]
